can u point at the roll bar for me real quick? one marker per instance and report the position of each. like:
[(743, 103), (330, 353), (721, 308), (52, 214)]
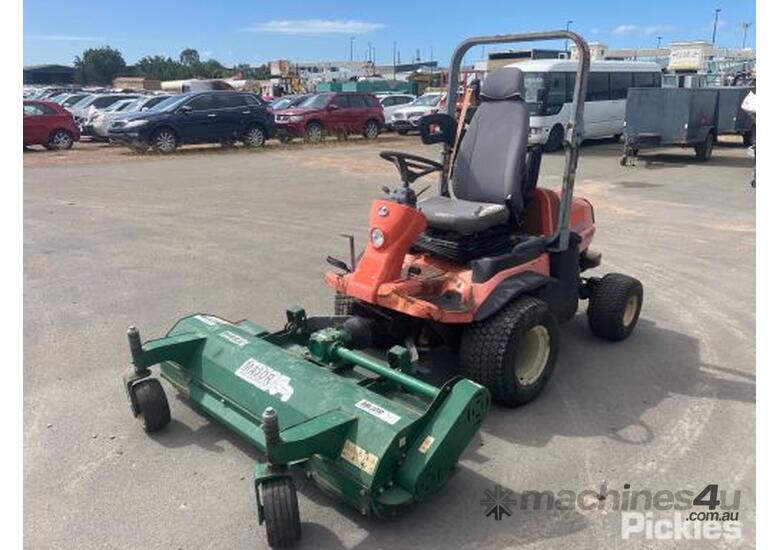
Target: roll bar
[(573, 131)]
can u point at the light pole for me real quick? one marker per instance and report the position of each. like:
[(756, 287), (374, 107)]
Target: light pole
[(351, 43), (394, 45), (657, 47), (715, 26), (745, 26), (566, 42)]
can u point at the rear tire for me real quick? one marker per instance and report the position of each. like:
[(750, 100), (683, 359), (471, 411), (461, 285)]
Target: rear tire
[(614, 306), (60, 140), (280, 508), (512, 353), (555, 139), (704, 149), (153, 411)]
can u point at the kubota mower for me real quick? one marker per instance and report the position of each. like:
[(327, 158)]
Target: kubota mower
[(490, 267)]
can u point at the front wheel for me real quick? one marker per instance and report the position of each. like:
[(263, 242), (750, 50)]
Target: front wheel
[(555, 139), (254, 136), (150, 405), (60, 141), (315, 133), (164, 141), (280, 508), (614, 306), (371, 129), (512, 353)]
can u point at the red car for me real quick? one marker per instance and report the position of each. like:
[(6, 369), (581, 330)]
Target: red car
[(332, 113), (50, 125)]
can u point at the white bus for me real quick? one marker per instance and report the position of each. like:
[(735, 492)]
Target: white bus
[(549, 87)]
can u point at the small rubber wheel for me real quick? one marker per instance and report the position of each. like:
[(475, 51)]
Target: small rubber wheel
[(280, 508), (554, 140), (164, 141), (60, 141), (153, 411), (254, 136), (704, 149), (371, 129), (512, 353), (614, 306), (315, 133)]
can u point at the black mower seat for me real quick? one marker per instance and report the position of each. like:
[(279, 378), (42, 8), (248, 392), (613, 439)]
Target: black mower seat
[(462, 216), (490, 167)]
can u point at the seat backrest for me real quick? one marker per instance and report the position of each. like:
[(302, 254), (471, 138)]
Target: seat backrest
[(490, 163)]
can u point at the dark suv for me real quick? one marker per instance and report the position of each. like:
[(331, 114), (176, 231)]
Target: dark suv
[(340, 113), (199, 117)]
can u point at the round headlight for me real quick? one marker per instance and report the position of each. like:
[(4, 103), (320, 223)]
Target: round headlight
[(377, 237)]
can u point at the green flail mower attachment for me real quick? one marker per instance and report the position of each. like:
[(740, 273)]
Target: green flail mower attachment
[(365, 430)]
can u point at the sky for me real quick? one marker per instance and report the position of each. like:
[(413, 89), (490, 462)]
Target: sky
[(253, 32)]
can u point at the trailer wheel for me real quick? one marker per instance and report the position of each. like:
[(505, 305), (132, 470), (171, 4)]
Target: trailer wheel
[(513, 352), (749, 137), (614, 306), (704, 149), (280, 508), (152, 405)]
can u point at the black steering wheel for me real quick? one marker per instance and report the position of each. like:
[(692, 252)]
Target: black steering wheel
[(411, 167)]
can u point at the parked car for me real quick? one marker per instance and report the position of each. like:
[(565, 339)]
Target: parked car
[(69, 100), (82, 109), (335, 113), (287, 101), (391, 103), (102, 121), (48, 124), (408, 117), (196, 117), (87, 126)]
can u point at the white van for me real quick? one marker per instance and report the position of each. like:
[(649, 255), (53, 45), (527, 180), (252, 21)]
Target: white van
[(549, 88)]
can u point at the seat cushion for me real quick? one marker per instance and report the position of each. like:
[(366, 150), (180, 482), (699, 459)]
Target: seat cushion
[(462, 216)]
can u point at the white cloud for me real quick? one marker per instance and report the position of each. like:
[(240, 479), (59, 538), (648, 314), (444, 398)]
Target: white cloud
[(655, 29), (622, 30), (313, 27), (67, 37)]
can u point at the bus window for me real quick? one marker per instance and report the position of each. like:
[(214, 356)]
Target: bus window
[(571, 80), (556, 92), (644, 80), (619, 83), (598, 87)]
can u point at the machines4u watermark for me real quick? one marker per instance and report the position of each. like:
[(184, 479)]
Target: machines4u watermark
[(706, 513)]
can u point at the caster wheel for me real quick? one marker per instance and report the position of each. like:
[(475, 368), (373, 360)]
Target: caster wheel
[(151, 405), (614, 306), (280, 508)]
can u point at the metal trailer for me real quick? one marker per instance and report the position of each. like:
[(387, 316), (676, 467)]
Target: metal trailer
[(731, 118), (659, 117)]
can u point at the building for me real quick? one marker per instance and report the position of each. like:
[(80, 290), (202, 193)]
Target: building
[(48, 74), (139, 83), (496, 60)]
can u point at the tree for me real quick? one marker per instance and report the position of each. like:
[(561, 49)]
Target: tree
[(189, 57), (99, 66), (160, 68)]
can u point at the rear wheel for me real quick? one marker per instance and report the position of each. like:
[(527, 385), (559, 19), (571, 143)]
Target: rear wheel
[(512, 353), (254, 136), (749, 137), (371, 129), (704, 149), (315, 133), (555, 139), (164, 141), (280, 508), (151, 405), (60, 141), (614, 306)]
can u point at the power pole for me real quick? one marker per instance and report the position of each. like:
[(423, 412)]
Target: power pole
[(745, 26), (566, 42), (351, 43), (715, 26), (394, 45)]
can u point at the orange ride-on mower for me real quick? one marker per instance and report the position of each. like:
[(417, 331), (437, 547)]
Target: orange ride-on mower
[(493, 264)]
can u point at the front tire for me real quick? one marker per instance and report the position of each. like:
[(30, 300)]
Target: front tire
[(614, 306), (254, 136), (151, 405), (60, 140), (164, 141), (371, 129), (512, 353), (315, 133), (555, 139), (280, 508)]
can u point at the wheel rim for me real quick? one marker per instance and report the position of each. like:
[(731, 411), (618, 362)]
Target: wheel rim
[(630, 312), (532, 356), (255, 137), (165, 142), (315, 133), (61, 140), (371, 130)]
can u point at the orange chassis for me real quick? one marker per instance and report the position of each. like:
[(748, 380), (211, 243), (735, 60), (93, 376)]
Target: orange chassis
[(411, 283)]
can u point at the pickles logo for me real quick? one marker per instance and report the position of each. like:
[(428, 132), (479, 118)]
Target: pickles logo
[(265, 378), (498, 502)]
